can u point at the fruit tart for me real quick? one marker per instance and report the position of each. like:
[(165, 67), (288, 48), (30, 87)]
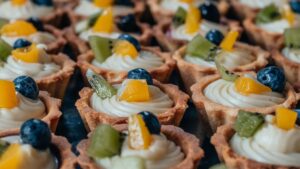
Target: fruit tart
[(219, 97), (197, 59), (188, 23), (34, 31), (144, 144), (34, 147), (112, 104), (113, 58), (267, 27), (260, 141), (51, 72)]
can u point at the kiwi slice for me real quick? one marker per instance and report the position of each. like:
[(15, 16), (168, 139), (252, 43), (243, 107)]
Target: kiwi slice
[(219, 166), (100, 85), (105, 142), (225, 74), (93, 18), (179, 17), (102, 47), (3, 22), (202, 48), (268, 14), (248, 123), (3, 146), (5, 50), (130, 162), (292, 38)]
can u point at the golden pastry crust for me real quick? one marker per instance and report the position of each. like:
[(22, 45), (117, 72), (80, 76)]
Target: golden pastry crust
[(243, 11), (93, 118), (161, 73), (221, 141), (189, 146), (59, 43), (55, 18), (217, 114), (191, 73)]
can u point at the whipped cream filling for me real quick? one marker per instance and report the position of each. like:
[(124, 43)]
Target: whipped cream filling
[(27, 109), (262, 3), (276, 27), (84, 35), (173, 5), (145, 60), (270, 145), (224, 93), (162, 154), (38, 38), (292, 54), (159, 103), (29, 9)]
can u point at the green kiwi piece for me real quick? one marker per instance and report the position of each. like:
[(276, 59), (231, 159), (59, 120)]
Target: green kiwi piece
[(225, 74), (3, 146), (102, 88), (179, 17), (5, 50), (202, 48), (248, 123), (102, 47), (268, 14), (105, 142), (93, 18), (292, 38), (130, 162), (3, 22), (219, 166)]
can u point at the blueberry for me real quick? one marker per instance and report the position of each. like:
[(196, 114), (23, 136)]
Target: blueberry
[(132, 40), (140, 73), (272, 77), (37, 23), (124, 3), (36, 133), (298, 118), (43, 2), (27, 87), (127, 23), (210, 12), (151, 122), (215, 36), (295, 5), (21, 43)]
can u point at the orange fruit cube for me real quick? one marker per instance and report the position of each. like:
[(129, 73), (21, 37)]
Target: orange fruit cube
[(285, 118), (12, 157), (193, 19), (135, 91), (29, 55), (229, 41), (105, 22), (103, 3), (8, 97), (246, 86), (125, 48), (18, 28)]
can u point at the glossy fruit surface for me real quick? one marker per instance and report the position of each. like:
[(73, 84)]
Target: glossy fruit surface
[(13, 29), (295, 5), (105, 22), (132, 40), (29, 54), (229, 41), (124, 3), (12, 157), (151, 122), (37, 23), (103, 3), (128, 23), (27, 87), (43, 2), (286, 118), (101, 47), (225, 74), (8, 95), (289, 15), (21, 43), (5, 50), (248, 123), (18, 2), (246, 86), (140, 73), (192, 20), (126, 49), (272, 77), (215, 36), (135, 91), (210, 12)]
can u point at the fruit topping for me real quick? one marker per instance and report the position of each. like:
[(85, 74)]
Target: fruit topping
[(179, 17), (124, 3), (43, 2), (129, 162), (187, 1), (37, 23), (272, 77), (295, 5), (8, 95), (93, 18), (18, 2), (134, 91), (151, 122), (246, 86), (289, 15), (128, 23), (28, 54), (210, 12), (298, 117), (102, 47), (3, 147), (192, 20), (202, 48), (229, 41), (3, 22), (5, 50), (138, 133), (132, 40), (27, 87), (219, 166), (291, 38), (36, 133), (105, 22), (103, 3), (215, 36), (126, 49), (105, 142), (285, 118), (225, 74), (13, 29), (12, 158), (21, 43), (268, 14), (102, 88), (248, 123), (140, 73)]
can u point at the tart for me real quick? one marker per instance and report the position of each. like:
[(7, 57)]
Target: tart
[(113, 62), (164, 100), (260, 149), (184, 147), (219, 97)]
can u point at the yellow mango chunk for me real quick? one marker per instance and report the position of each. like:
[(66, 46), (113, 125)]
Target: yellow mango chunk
[(192, 21), (103, 3), (12, 157), (18, 28), (105, 22), (125, 48), (187, 1), (135, 91), (29, 55), (285, 118), (8, 97), (18, 2), (289, 15), (138, 133), (229, 41), (246, 86)]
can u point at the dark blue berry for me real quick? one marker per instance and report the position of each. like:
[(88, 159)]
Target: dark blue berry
[(36, 133), (272, 77), (43, 2), (37, 23), (151, 122), (215, 36), (27, 87), (140, 73), (210, 12), (127, 23), (298, 118), (21, 43), (132, 40), (124, 3), (295, 5)]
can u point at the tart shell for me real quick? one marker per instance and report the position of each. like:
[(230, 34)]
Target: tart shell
[(189, 146), (59, 43), (92, 118), (55, 18), (243, 11)]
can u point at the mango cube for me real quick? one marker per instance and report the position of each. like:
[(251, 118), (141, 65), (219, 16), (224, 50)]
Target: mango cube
[(192, 21), (8, 97), (103, 3), (125, 48), (18, 2), (187, 1), (12, 157), (289, 15), (285, 118), (105, 22), (135, 91), (229, 41), (29, 55), (246, 86), (18, 28)]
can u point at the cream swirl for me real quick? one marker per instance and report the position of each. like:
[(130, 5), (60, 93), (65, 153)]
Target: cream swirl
[(224, 92), (292, 54), (262, 3), (162, 154), (39, 37), (27, 10), (173, 5), (276, 26), (145, 60), (270, 145), (84, 35)]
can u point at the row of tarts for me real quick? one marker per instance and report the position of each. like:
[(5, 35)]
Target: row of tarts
[(232, 84)]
